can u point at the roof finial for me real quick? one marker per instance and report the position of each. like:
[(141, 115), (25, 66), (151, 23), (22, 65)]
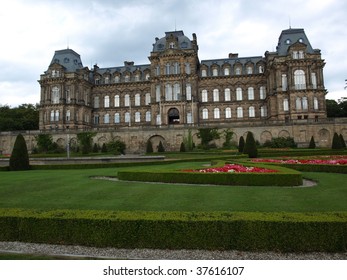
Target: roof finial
[(175, 24), (290, 23), (67, 42)]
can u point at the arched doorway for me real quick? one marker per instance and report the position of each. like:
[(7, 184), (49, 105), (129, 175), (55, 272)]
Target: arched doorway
[(173, 116)]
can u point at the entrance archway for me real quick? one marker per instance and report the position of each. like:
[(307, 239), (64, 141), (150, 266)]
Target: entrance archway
[(173, 116)]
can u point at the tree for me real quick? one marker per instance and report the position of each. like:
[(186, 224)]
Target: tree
[(207, 135), (116, 147), (228, 134), (44, 142), (161, 148), (104, 148), (149, 147), (23, 117), (95, 148), (241, 144), (188, 141), (85, 140), (312, 144), (250, 146), (336, 144), (182, 148), (342, 140), (19, 159)]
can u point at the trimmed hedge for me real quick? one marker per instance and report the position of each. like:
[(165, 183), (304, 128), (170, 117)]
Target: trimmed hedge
[(328, 168), (286, 232), (285, 177)]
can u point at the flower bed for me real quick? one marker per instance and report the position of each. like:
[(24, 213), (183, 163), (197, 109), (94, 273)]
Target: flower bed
[(341, 160), (230, 168)]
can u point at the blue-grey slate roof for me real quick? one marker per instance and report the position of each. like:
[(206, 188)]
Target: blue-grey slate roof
[(68, 59), (291, 36)]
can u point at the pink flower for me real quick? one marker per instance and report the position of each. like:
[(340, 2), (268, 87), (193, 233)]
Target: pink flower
[(229, 168)]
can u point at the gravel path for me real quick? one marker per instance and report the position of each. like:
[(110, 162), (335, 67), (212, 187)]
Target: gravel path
[(150, 254)]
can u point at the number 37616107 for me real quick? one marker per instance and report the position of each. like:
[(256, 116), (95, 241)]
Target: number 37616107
[(206, 270)]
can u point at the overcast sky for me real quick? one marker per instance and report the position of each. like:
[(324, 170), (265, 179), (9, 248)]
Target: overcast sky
[(109, 32)]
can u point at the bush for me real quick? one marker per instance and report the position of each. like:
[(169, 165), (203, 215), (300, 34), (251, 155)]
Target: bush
[(280, 142), (250, 146), (342, 140), (19, 159), (85, 141), (241, 144), (336, 144), (104, 148), (312, 144), (182, 148), (116, 147), (149, 147), (161, 148), (284, 232), (95, 148)]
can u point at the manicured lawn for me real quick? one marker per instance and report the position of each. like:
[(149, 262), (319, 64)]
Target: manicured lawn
[(73, 189)]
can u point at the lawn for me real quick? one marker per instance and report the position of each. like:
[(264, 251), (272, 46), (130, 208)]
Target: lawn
[(74, 189)]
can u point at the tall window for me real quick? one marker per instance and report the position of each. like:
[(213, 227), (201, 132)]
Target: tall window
[(116, 79), (137, 117), (188, 92), (239, 94), (116, 101), (238, 71), (187, 68), (216, 113), (116, 118), (177, 92), (314, 80), (251, 112), (304, 104), (137, 99), (250, 93), (148, 98), (239, 111), (127, 78), (263, 111), (298, 103), (127, 117), (204, 95), (284, 82), (299, 79), (55, 95), (157, 70), (107, 119), (148, 116), (106, 101), (215, 95), (167, 69), (157, 93), (52, 116), (285, 105), (315, 103), (227, 96), (215, 72), (226, 71), (228, 113), (177, 68), (168, 92), (189, 117), (127, 100), (204, 114), (249, 70), (262, 93), (68, 115), (203, 73), (96, 102)]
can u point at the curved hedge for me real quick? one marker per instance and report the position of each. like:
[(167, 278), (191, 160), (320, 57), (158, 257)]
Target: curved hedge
[(286, 232), (284, 177)]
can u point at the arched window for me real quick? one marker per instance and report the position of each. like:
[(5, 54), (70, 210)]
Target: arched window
[(226, 71), (216, 113), (251, 112), (239, 112), (203, 73), (239, 94), (204, 114), (56, 116), (214, 72), (263, 111), (249, 70), (228, 113), (148, 98), (55, 95), (285, 105), (106, 101), (116, 118), (107, 119), (204, 95), (304, 104), (137, 99), (227, 96), (250, 93), (137, 117), (238, 71), (127, 100), (148, 116), (116, 101), (299, 79), (215, 95), (127, 117)]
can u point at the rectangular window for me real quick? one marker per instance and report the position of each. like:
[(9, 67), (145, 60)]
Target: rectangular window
[(204, 96), (314, 80), (215, 95), (284, 82), (188, 92)]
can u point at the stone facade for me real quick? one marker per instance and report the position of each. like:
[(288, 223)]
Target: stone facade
[(279, 94)]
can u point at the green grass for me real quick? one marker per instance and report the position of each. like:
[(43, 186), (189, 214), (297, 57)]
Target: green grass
[(73, 189)]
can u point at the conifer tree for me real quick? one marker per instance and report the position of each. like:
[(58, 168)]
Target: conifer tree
[(241, 144), (182, 148), (312, 144), (161, 148), (336, 144), (250, 146), (19, 159), (342, 140), (149, 147)]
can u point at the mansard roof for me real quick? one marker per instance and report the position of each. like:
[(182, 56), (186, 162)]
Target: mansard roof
[(232, 61), (183, 42), (291, 36), (69, 59), (128, 67)]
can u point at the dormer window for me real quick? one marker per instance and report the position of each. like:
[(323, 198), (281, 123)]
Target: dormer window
[(172, 45), (249, 70), (214, 72)]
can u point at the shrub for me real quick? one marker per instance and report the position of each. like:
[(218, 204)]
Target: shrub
[(336, 144), (116, 147), (280, 142), (228, 134), (342, 140), (312, 144), (85, 141), (182, 147), (104, 148), (95, 148), (19, 159), (207, 135), (161, 148), (250, 146), (149, 147), (241, 144)]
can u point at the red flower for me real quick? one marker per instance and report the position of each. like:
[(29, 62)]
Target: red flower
[(237, 168)]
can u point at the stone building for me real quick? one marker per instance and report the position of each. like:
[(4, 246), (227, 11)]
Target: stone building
[(278, 94)]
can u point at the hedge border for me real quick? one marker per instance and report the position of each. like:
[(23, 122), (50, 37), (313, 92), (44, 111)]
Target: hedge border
[(285, 232), (285, 177)]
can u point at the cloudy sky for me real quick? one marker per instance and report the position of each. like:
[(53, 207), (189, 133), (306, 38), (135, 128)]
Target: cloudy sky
[(109, 32)]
